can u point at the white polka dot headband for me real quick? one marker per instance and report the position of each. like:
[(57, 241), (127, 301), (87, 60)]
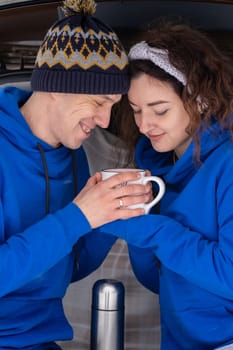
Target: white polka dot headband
[(142, 51)]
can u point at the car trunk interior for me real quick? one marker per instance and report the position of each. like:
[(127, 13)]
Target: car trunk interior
[(23, 27)]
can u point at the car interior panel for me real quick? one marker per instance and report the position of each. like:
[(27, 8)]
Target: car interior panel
[(19, 44)]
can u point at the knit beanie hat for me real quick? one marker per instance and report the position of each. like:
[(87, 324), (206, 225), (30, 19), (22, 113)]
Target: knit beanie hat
[(81, 54)]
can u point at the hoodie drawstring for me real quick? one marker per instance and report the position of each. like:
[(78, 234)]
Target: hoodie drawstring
[(46, 173), (47, 188)]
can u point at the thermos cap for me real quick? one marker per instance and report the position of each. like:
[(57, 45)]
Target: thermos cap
[(108, 295)]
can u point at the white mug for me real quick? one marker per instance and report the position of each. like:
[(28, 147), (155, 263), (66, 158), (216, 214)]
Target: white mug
[(106, 173)]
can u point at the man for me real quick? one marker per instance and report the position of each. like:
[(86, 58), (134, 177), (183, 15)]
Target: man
[(45, 221)]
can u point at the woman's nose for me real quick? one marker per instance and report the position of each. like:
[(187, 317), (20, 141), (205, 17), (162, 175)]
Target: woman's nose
[(143, 124)]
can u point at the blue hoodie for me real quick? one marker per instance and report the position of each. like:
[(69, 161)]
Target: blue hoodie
[(185, 253), (39, 226)]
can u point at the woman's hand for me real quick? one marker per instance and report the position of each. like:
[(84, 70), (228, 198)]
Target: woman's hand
[(103, 201)]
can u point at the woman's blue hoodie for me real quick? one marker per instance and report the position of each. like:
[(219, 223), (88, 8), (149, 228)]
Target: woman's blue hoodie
[(185, 253), (39, 226)]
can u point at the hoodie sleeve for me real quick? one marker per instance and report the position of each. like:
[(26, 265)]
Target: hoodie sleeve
[(207, 264), (32, 254), (145, 266), (85, 260), (89, 257)]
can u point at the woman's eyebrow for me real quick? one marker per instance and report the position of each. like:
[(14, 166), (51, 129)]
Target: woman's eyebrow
[(151, 104)]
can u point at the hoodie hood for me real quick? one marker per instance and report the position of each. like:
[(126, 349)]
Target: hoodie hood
[(12, 123), (14, 128)]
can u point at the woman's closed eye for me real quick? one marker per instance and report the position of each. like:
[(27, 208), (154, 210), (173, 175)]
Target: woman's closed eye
[(161, 112)]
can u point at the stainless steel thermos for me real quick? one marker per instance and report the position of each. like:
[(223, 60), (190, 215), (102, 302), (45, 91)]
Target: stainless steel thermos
[(107, 318)]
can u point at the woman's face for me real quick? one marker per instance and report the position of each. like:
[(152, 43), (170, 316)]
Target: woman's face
[(159, 114)]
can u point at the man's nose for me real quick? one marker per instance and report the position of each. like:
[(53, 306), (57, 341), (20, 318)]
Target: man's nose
[(103, 119)]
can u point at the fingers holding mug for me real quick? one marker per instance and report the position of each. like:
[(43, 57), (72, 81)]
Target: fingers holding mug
[(119, 179), (117, 195), (132, 200)]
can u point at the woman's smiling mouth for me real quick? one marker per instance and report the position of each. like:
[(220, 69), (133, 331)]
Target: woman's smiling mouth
[(155, 137)]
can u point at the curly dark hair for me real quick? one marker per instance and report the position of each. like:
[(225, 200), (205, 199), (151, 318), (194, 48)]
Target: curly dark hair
[(209, 90)]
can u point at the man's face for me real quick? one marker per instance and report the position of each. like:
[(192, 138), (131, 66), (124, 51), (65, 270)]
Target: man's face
[(75, 115)]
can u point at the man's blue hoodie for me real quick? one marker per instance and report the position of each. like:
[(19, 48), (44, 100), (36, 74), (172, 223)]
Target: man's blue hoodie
[(185, 253), (39, 226)]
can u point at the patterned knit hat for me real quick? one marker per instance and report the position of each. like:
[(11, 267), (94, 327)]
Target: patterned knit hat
[(81, 54)]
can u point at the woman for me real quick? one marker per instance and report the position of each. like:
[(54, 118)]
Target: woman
[(182, 99)]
